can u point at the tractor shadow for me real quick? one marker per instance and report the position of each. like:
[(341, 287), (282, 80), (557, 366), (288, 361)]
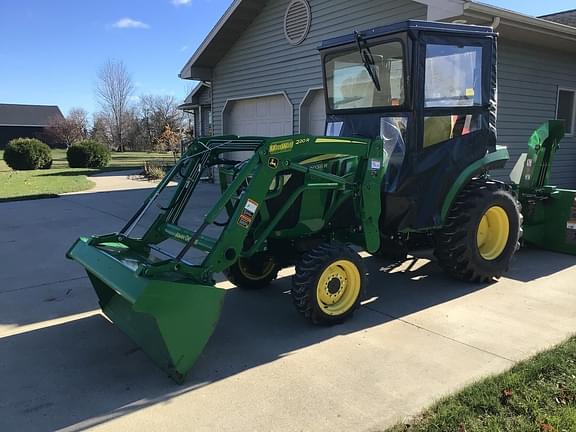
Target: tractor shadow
[(85, 372), (531, 264)]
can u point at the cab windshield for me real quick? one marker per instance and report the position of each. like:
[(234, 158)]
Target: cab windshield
[(349, 85)]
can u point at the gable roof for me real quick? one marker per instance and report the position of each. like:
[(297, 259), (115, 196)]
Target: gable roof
[(193, 99), (235, 20), (566, 17), (241, 13), (28, 115)]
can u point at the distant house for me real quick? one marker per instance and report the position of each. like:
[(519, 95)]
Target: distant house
[(567, 17), (198, 104), (261, 67), (26, 121)]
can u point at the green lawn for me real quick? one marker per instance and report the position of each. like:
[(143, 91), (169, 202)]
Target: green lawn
[(536, 395), (61, 179)]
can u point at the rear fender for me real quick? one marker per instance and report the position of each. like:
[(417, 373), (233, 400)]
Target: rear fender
[(493, 160)]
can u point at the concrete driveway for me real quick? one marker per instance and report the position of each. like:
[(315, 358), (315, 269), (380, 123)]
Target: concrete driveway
[(420, 336)]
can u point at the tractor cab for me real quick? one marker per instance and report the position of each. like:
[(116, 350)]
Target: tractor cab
[(428, 90)]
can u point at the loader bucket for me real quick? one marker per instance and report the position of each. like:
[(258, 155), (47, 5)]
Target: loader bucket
[(170, 320)]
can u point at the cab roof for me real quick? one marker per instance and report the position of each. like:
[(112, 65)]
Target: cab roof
[(411, 25)]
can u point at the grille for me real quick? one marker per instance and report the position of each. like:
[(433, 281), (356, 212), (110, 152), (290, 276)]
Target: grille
[(297, 21)]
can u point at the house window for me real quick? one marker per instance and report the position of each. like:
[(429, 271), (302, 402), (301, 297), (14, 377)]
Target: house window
[(565, 109)]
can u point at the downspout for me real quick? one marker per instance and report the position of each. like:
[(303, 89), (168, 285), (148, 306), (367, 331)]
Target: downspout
[(209, 85), (495, 23), (200, 133)]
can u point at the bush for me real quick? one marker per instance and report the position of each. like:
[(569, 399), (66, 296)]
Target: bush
[(77, 156), (154, 170), (27, 154), (88, 154)]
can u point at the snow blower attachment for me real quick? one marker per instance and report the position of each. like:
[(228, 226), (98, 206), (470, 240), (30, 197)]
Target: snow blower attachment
[(549, 212), (411, 125)]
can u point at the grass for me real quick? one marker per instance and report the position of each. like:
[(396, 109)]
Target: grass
[(537, 395), (16, 185)]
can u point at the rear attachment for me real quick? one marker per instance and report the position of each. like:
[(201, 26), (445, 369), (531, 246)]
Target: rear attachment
[(549, 212)]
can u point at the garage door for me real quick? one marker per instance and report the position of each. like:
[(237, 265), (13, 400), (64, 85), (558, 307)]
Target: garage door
[(313, 113), (263, 116)]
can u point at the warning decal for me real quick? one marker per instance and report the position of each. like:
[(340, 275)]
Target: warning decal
[(247, 216)]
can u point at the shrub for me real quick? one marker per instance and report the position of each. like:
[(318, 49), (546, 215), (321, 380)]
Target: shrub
[(88, 154), (154, 170), (27, 154)]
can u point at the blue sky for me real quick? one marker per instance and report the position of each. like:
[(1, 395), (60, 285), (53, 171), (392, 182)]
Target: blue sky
[(51, 50)]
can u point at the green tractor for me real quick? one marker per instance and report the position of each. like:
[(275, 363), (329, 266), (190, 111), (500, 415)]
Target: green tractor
[(410, 138)]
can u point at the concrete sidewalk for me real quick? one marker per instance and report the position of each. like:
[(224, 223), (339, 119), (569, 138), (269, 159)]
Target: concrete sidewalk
[(111, 181), (419, 336)]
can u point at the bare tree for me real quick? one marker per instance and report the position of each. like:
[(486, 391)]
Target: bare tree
[(158, 113), (70, 129), (113, 89), (100, 130)]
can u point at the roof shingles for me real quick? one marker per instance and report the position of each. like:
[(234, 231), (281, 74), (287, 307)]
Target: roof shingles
[(567, 17), (27, 115)]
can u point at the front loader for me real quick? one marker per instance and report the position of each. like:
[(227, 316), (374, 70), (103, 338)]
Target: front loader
[(410, 139)]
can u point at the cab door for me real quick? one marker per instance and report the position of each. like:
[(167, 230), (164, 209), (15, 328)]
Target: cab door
[(455, 116)]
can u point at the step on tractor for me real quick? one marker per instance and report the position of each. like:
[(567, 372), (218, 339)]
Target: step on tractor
[(404, 165)]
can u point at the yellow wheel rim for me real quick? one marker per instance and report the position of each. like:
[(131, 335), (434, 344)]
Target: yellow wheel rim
[(493, 233), (338, 287), (265, 271)]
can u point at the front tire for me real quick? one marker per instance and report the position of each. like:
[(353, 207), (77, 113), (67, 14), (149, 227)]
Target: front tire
[(481, 233), (328, 284), (256, 272)]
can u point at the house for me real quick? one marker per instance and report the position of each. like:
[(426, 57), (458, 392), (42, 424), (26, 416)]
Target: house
[(199, 105), (566, 17), (28, 121), (263, 70)]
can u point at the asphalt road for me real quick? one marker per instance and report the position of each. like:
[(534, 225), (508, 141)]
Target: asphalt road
[(419, 336)]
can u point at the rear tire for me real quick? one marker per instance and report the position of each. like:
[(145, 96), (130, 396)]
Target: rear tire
[(328, 284), (256, 272), (481, 233)]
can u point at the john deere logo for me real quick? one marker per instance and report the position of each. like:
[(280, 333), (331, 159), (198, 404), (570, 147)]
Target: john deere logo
[(273, 163)]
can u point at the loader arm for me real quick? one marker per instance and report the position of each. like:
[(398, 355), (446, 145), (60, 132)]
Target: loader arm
[(154, 295)]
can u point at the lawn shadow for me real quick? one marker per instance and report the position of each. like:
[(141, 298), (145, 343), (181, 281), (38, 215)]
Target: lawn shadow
[(29, 197), (72, 173), (92, 172)]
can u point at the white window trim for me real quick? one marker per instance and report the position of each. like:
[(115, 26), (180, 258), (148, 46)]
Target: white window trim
[(305, 102), (573, 91)]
